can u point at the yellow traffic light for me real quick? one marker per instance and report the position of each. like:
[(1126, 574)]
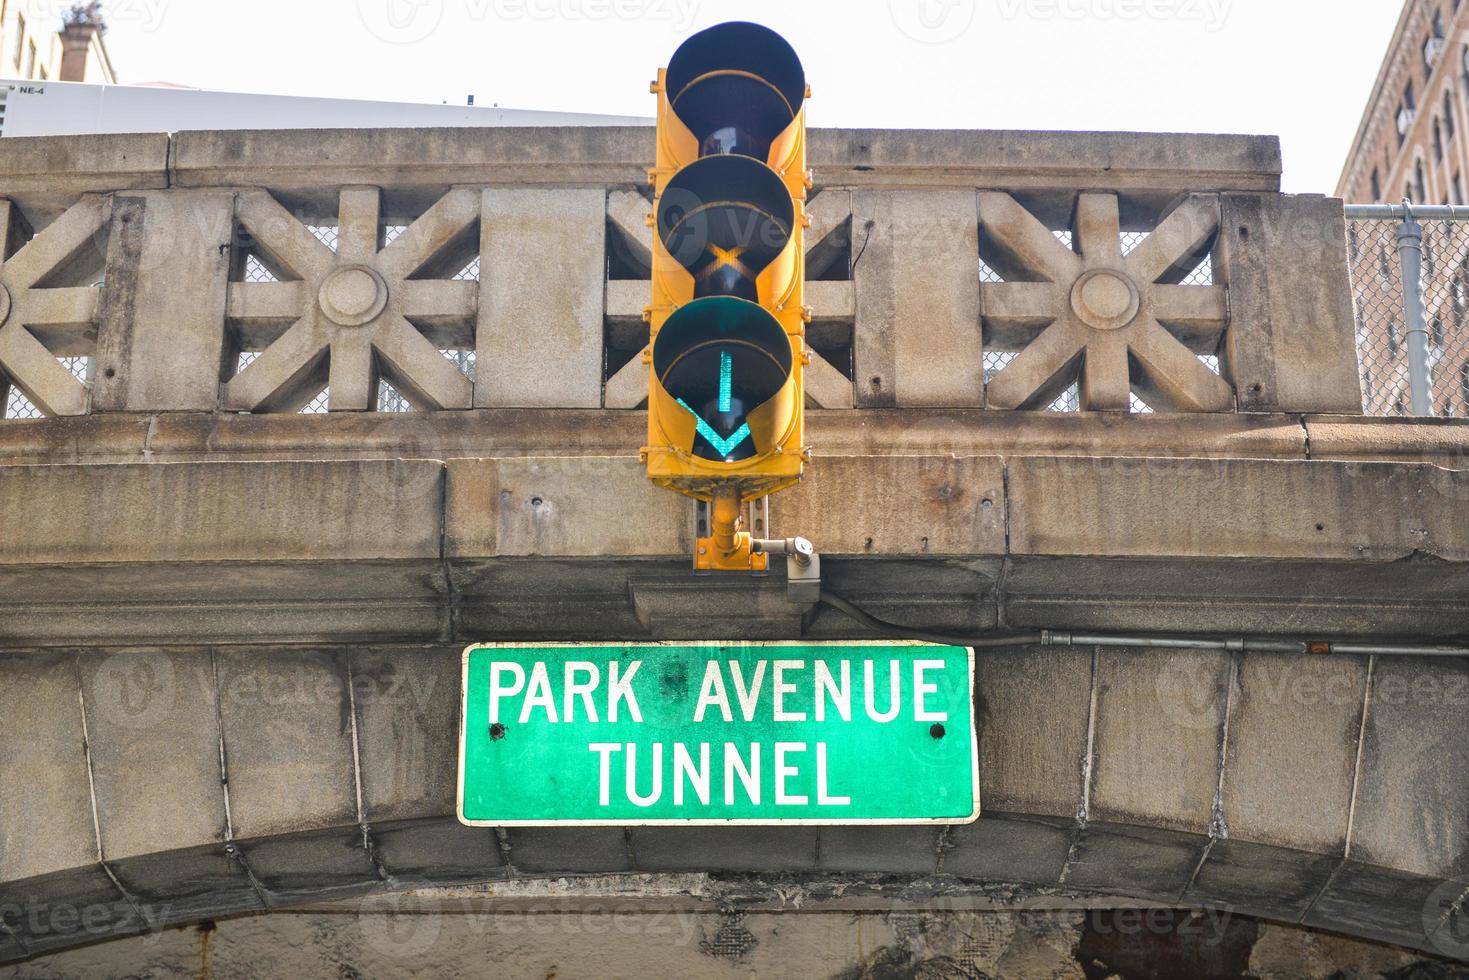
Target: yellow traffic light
[(728, 317)]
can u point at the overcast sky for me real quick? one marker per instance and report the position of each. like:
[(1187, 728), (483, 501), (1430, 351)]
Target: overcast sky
[(1298, 68)]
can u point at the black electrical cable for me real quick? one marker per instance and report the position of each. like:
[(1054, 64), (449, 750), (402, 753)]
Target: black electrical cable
[(902, 632), (1052, 638)]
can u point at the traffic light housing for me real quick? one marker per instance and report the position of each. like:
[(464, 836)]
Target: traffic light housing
[(728, 316)]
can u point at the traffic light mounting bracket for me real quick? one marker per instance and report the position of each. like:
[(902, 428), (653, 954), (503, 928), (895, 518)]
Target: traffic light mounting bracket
[(749, 551)]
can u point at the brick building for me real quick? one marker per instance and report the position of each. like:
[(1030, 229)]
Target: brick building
[(1411, 146), (37, 42)]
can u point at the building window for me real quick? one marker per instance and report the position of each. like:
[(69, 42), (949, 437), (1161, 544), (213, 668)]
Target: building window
[(1420, 183), (1437, 142), (1448, 115), (1458, 189), (1437, 332), (1393, 344), (1464, 384), (1376, 186), (30, 59)]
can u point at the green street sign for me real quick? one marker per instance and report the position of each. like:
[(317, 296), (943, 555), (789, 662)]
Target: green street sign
[(717, 733)]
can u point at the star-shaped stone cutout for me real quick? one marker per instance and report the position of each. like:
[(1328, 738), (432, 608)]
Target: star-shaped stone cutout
[(1098, 312), (357, 306), (65, 316)]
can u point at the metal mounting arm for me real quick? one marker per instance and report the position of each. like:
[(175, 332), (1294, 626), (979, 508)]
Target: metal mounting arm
[(803, 567)]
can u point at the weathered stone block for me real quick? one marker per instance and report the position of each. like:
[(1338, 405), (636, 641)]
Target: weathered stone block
[(1159, 724), (1292, 339), (287, 740), (1161, 164), (68, 908), (1439, 442), (320, 864), (542, 507), (45, 800), (315, 160), (1272, 882), (316, 511), (437, 850), (735, 849), (1003, 847), (879, 850), (45, 170), (186, 885), (1379, 903), (549, 850), (542, 266), (1234, 508), (898, 505), (1139, 862), (151, 712), (162, 325), (918, 341), (1292, 751), (407, 703), (1412, 795), (1031, 762)]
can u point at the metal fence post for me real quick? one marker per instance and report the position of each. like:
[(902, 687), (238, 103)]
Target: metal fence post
[(1410, 256)]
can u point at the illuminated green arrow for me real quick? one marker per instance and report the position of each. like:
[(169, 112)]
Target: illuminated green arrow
[(726, 397)]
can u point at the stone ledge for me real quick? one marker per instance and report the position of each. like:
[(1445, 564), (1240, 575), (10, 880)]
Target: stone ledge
[(305, 551), (1159, 164), (44, 173), (220, 512), (1233, 508), (485, 433)]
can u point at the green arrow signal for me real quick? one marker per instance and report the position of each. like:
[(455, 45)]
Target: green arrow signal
[(721, 445)]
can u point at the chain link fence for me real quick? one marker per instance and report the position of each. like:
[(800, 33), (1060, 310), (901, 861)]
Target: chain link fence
[(1390, 326)]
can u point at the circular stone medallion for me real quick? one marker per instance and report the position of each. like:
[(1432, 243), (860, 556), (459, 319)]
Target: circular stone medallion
[(1105, 299), (353, 295)]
